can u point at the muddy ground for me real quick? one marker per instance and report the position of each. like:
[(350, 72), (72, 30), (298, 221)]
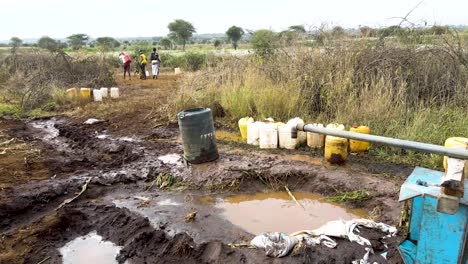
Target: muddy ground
[(45, 162)]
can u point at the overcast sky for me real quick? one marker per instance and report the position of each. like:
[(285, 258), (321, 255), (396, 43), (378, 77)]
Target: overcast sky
[(146, 18)]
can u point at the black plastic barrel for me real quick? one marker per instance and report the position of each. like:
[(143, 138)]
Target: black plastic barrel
[(198, 135)]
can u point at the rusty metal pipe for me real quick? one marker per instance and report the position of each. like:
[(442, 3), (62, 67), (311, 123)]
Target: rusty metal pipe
[(394, 142)]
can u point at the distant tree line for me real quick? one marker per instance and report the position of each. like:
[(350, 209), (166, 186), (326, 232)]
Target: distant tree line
[(181, 32)]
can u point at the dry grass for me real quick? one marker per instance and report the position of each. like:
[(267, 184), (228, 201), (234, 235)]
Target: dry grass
[(406, 92)]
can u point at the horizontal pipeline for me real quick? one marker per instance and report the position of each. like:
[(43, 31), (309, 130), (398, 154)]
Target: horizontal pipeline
[(458, 153)]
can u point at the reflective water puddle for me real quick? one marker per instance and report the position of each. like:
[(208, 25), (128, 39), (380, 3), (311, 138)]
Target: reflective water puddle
[(89, 249), (174, 159), (271, 212)]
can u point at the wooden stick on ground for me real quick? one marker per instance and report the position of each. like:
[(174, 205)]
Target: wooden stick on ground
[(294, 198), (83, 189)]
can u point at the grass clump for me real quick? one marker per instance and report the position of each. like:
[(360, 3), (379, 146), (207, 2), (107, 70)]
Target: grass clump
[(354, 196)]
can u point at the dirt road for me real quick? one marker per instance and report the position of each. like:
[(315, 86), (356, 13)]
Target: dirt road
[(140, 190)]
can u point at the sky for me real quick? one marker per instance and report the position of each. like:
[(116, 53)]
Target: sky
[(147, 18)]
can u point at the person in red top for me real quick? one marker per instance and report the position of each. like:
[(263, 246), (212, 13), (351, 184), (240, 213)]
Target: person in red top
[(126, 60)]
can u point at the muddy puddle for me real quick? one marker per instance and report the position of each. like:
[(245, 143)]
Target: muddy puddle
[(270, 212), (89, 249)]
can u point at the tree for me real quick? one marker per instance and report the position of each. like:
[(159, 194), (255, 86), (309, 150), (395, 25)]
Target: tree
[(217, 43), (264, 42), (107, 43), (77, 41), (181, 30), (166, 43), (338, 31), (368, 32), (48, 43), (297, 28), (234, 34), (15, 43)]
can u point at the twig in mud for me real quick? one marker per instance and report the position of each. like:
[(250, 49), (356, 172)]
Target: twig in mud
[(44, 260), (242, 245), (83, 189), (150, 113), (7, 142), (4, 151), (294, 198)]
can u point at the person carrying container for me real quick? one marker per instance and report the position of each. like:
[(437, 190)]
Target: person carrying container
[(155, 63), (126, 60), (143, 62)]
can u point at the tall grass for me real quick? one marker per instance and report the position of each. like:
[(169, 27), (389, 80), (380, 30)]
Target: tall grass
[(406, 92)]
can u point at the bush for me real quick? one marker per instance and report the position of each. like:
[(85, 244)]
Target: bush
[(34, 77), (190, 61)]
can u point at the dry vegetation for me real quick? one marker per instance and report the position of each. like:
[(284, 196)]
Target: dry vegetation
[(35, 78), (411, 92)]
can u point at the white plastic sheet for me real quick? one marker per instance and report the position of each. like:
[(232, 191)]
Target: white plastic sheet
[(280, 244)]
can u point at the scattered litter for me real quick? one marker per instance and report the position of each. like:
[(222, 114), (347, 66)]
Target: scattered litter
[(275, 244), (83, 189), (92, 121), (279, 244), (191, 217)]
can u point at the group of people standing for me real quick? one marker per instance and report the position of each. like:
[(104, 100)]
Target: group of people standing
[(142, 61)]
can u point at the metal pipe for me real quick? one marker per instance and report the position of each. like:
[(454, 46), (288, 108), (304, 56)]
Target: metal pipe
[(394, 142)]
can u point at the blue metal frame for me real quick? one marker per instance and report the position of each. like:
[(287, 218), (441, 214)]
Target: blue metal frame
[(433, 237)]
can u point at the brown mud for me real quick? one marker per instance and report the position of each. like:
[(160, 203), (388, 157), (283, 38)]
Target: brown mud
[(127, 203)]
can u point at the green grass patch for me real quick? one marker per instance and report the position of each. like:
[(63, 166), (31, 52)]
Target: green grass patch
[(354, 196)]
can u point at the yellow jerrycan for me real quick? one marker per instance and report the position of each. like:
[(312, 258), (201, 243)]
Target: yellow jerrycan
[(71, 93), (85, 94), (455, 142), (356, 146), (336, 148), (243, 122)]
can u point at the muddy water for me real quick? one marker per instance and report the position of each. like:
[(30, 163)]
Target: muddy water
[(89, 249), (265, 212)]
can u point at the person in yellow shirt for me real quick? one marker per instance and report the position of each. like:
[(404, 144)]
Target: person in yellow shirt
[(143, 61)]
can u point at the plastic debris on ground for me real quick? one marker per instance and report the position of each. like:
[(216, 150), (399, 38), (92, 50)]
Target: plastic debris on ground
[(280, 244), (92, 121), (275, 244)]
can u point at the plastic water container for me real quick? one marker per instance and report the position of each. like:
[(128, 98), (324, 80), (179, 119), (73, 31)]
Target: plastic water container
[(71, 93), (356, 146), (301, 135), (97, 95), (85, 94), (253, 133), (268, 135), (336, 126), (455, 142), (114, 92), (177, 71), (243, 126), (285, 137), (104, 92), (315, 140), (198, 135), (336, 149), (147, 73)]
